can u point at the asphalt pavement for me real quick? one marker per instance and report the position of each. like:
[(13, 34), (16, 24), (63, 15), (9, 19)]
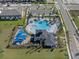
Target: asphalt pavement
[(72, 6), (71, 29)]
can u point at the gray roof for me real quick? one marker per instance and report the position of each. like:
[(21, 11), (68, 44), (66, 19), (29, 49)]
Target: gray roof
[(20, 0), (8, 12), (50, 39), (41, 12)]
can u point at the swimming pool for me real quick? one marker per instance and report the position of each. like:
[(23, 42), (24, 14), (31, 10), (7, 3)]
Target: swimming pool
[(20, 36), (41, 25)]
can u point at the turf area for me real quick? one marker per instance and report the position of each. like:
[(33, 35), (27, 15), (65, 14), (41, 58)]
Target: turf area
[(43, 54), (5, 30)]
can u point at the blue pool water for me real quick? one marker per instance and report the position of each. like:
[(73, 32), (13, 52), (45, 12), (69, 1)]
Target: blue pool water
[(40, 25), (21, 36)]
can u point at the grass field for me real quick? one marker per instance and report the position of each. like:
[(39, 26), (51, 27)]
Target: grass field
[(43, 54), (5, 30)]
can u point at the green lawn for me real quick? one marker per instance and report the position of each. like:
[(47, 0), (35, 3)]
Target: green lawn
[(43, 54), (76, 20), (5, 30)]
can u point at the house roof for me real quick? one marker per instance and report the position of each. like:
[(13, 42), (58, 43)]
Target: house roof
[(9, 12), (50, 39), (19, 0)]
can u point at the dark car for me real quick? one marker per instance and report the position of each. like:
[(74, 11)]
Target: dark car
[(77, 54)]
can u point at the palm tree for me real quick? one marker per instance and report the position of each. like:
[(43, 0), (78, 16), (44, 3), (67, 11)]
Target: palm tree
[(59, 42)]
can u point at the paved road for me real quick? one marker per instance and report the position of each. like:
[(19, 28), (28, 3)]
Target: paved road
[(72, 6), (72, 1), (71, 29)]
